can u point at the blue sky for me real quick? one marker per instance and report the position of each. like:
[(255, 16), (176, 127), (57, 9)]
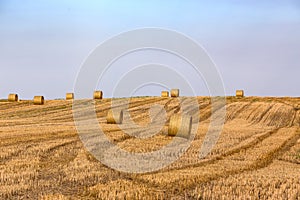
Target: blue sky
[(255, 44)]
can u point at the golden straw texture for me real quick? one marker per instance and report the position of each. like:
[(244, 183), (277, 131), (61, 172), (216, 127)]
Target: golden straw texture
[(180, 125), (38, 100), (69, 96), (114, 117), (13, 97), (98, 95), (240, 93), (164, 94), (175, 93)]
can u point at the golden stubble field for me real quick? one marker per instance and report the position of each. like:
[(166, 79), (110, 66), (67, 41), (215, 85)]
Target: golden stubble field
[(257, 155)]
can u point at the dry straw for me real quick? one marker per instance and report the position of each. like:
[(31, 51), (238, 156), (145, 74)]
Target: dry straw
[(13, 97), (98, 95), (240, 93), (164, 94), (180, 125), (114, 117), (175, 93), (69, 96), (38, 100)]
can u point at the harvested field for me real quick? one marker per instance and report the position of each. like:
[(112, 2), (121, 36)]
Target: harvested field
[(257, 155)]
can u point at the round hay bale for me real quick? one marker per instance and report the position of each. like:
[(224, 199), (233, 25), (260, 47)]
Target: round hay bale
[(98, 95), (69, 96), (164, 94), (180, 126), (13, 97), (38, 100), (175, 93), (240, 93), (115, 117)]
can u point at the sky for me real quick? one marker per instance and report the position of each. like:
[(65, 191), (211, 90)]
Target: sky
[(254, 44)]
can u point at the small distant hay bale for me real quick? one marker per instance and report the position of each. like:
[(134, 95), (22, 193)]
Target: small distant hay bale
[(38, 100), (114, 117), (240, 93), (175, 93), (98, 95), (164, 94), (180, 126), (69, 96), (13, 97)]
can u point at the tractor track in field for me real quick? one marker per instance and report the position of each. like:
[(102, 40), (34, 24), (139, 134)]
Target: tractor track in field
[(259, 164), (252, 143), (237, 112), (261, 116), (267, 161), (27, 150), (32, 145), (228, 153), (213, 160), (288, 147), (279, 118), (37, 139), (15, 154), (294, 119), (50, 168), (47, 159)]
